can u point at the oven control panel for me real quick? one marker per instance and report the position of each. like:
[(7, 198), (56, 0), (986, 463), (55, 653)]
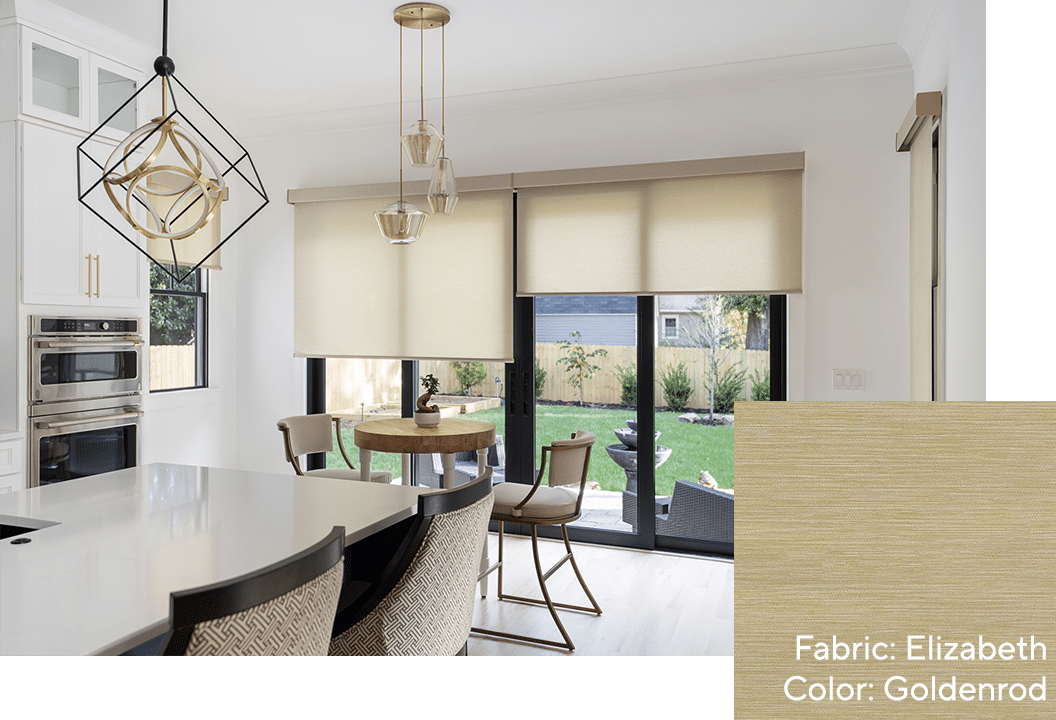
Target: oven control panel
[(84, 326)]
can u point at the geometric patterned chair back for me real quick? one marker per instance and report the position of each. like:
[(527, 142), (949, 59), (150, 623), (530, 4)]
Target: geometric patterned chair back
[(429, 610), (287, 608)]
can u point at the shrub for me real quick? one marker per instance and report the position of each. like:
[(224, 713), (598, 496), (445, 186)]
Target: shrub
[(628, 377), (469, 374), (677, 387), (728, 388), (540, 378), (760, 386)]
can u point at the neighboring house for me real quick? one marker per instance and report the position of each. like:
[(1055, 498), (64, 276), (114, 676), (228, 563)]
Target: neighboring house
[(599, 319), (678, 322), (610, 319), (674, 319)]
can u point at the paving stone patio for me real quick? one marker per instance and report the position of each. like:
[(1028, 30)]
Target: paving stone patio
[(602, 509)]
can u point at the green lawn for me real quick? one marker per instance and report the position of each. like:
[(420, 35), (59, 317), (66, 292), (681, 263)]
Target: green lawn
[(694, 447)]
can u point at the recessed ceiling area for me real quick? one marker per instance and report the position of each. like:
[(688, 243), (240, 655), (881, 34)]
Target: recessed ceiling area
[(253, 59)]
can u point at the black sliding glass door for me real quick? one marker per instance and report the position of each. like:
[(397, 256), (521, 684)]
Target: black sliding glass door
[(649, 376)]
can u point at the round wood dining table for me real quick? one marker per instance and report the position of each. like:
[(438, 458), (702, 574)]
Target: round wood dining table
[(401, 435), (452, 435)]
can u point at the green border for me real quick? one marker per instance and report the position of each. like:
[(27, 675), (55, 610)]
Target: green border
[(1021, 243)]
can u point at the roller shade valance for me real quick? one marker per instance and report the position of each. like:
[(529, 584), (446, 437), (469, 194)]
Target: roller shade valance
[(727, 233), (447, 296)]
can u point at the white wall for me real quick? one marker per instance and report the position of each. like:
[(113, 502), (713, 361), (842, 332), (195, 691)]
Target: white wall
[(854, 308), (853, 312), (951, 57), (198, 427)]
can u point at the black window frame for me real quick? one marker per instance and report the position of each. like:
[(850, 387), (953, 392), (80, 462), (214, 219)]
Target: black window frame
[(201, 294)]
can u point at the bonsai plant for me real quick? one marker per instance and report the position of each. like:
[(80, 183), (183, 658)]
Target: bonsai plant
[(427, 415)]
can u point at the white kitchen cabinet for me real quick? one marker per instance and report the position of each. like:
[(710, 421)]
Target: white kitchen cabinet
[(55, 80), (68, 85), (11, 465), (69, 256), (112, 84)]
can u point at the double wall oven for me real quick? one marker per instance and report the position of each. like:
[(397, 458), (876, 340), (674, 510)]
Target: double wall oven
[(85, 396)]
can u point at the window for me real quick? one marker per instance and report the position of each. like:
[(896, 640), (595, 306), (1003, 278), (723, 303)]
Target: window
[(670, 327), (178, 330)]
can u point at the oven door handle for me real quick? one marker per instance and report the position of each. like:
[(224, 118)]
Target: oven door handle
[(52, 425), (85, 344)]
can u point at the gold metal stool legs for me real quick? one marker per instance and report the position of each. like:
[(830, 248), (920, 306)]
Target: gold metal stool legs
[(547, 601)]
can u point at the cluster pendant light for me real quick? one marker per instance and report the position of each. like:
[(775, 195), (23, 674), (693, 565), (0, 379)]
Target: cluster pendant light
[(401, 222), (164, 182)]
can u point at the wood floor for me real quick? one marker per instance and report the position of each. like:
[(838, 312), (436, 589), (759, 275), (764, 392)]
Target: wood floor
[(653, 603)]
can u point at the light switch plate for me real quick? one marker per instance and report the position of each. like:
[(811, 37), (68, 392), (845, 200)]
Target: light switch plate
[(847, 379)]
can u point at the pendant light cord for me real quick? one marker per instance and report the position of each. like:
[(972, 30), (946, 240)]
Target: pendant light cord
[(443, 93), (421, 59), (164, 54), (165, 27), (401, 114)]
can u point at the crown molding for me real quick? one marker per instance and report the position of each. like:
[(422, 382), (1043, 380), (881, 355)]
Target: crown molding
[(77, 30), (922, 16), (601, 93)]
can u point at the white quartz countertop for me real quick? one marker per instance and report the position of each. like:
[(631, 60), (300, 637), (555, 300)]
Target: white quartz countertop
[(98, 581)]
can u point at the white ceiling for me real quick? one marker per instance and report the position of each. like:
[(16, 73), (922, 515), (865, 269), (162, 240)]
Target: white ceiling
[(253, 59)]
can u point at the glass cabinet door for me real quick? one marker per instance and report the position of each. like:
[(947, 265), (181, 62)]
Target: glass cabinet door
[(54, 79), (112, 85)]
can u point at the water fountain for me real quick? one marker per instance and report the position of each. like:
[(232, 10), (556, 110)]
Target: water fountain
[(625, 453)]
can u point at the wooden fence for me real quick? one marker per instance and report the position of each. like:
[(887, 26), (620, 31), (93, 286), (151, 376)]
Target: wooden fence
[(171, 366), (376, 382), (604, 387)]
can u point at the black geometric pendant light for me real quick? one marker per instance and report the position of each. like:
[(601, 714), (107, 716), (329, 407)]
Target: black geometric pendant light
[(166, 186)]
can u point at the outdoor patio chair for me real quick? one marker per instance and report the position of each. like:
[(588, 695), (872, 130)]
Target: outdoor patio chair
[(304, 434), (535, 505), (661, 506), (698, 511)]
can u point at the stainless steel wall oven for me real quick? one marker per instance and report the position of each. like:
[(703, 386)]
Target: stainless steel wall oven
[(85, 396)]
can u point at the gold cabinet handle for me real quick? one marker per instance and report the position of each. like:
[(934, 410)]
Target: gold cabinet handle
[(97, 281), (89, 259)]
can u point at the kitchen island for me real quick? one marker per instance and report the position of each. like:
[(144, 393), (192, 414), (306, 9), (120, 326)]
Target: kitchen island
[(86, 566)]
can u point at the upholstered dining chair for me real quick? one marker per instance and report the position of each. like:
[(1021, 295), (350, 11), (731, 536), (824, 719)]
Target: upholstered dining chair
[(558, 503), (420, 602), (286, 608), (304, 434)]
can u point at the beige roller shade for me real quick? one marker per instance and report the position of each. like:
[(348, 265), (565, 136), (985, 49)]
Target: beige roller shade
[(446, 296), (729, 233)]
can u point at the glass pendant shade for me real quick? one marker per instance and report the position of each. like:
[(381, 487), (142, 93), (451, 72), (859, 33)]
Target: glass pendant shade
[(401, 223), (443, 193), (422, 143)]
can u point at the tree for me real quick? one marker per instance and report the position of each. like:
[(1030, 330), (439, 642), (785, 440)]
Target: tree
[(172, 318), (577, 362), (757, 310), (712, 331), (469, 374)]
